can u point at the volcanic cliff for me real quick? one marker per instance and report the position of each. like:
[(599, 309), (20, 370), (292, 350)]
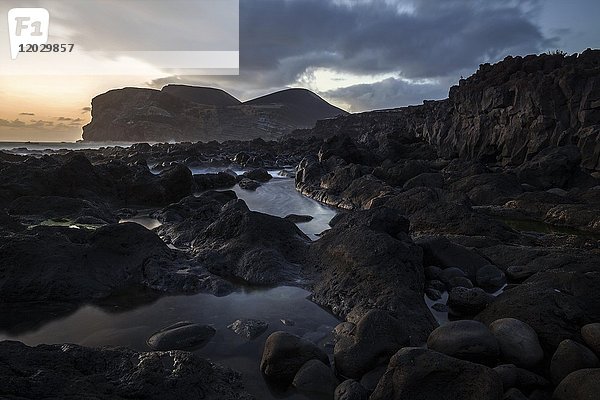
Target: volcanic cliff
[(506, 112), (188, 113)]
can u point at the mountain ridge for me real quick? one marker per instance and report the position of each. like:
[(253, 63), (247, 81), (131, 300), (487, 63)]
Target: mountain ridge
[(192, 113), (201, 95)]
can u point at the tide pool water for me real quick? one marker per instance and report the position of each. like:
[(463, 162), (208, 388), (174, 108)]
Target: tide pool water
[(130, 319)]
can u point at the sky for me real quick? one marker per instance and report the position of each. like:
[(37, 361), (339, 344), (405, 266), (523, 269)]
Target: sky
[(358, 54)]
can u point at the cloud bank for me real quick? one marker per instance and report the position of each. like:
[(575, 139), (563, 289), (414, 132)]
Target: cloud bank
[(282, 41)]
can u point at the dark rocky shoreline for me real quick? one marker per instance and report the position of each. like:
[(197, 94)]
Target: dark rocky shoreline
[(423, 219)]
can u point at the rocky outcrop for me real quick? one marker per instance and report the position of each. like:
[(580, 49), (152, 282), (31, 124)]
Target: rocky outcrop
[(256, 248), (506, 112), (50, 263), (555, 302), (74, 176), (69, 371), (367, 261), (361, 347), (183, 221), (415, 226), (180, 113)]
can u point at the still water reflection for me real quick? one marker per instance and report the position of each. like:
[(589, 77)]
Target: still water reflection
[(116, 322)]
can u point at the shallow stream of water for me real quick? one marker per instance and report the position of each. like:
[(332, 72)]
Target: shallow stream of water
[(279, 197)]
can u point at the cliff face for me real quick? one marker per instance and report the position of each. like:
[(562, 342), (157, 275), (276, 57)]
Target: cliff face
[(507, 112), (186, 113)]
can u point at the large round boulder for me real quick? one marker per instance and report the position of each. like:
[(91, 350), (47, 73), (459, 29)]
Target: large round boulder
[(53, 263), (315, 377), (284, 354), (518, 342), (591, 336), (176, 183), (466, 339), (579, 385), (571, 356)]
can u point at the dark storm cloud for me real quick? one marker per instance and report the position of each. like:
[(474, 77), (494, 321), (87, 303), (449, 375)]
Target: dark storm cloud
[(283, 40), (27, 113), (434, 39)]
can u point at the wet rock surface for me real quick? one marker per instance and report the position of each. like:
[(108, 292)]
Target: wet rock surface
[(181, 336), (416, 373), (591, 335), (374, 339), (70, 371), (465, 302), (285, 354), (257, 248), (350, 390), (579, 385), (314, 377), (249, 328), (518, 342), (55, 263), (571, 356), (367, 261), (466, 340), (555, 303), (515, 377)]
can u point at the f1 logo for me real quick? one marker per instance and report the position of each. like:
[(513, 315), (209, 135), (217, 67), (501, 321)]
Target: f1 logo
[(27, 26)]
